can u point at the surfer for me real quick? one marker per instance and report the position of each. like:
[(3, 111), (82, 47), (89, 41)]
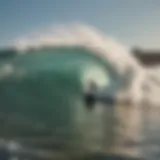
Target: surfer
[(94, 96), (90, 97)]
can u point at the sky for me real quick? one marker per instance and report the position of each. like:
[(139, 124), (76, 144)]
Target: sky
[(132, 22)]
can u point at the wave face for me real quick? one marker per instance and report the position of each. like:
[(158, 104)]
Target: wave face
[(42, 99)]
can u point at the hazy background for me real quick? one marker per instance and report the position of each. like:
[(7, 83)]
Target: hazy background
[(132, 22)]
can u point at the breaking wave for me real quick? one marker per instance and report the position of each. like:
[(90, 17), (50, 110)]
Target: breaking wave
[(96, 42)]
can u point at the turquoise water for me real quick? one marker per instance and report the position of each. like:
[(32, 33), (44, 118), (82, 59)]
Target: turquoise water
[(43, 108), (42, 99), (49, 78)]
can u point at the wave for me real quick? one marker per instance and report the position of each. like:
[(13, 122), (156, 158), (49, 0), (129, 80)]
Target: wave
[(85, 36), (93, 40)]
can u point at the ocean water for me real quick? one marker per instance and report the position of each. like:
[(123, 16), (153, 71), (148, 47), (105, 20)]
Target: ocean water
[(43, 100), (44, 115)]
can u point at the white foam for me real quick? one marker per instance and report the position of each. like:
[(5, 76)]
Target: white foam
[(6, 70), (152, 81)]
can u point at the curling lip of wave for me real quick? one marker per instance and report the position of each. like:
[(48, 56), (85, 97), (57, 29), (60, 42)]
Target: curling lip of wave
[(97, 43), (79, 35)]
